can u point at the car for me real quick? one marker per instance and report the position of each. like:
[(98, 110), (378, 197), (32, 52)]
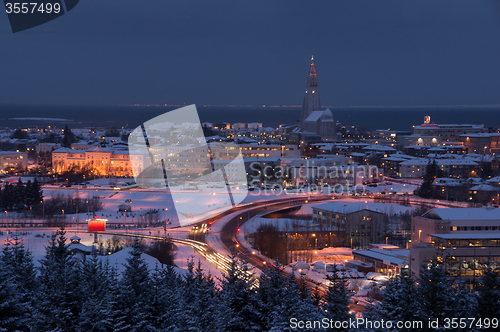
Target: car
[(128, 201), (373, 185)]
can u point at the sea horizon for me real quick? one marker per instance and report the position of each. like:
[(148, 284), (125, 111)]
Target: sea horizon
[(400, 118)]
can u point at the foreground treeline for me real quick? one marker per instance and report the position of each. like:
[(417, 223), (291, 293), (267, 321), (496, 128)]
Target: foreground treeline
[(69, 295)]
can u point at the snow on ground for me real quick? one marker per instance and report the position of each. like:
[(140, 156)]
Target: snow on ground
[(143, 200), (15, 179), (119, 259), (37, 241), (203, 203)]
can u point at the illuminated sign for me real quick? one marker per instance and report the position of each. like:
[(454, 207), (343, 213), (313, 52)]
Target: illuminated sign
[(97, 224)]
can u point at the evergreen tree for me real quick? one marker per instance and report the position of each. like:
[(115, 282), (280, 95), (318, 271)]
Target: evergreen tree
[(291, 304), (3, 203), (200, 301), (400, 300), (68, 137), (59, 299), (94, 290), (8, 197), (271, 284), (238, 299), (435, 293), (465, 302), (112, 304), (17, 283), (134, 294), (20, 196), (489, 294), (29, 201), (37, 192), (166, 309), (33, 193), (337, 299), (432, 171)]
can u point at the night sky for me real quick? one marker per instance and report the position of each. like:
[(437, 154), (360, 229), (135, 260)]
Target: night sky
[(368, 53)]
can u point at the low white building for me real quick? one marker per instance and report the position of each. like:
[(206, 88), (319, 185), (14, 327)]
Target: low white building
[(454, 220)]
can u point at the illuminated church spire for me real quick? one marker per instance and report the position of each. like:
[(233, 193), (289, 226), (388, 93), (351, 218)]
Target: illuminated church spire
[(311, 95)]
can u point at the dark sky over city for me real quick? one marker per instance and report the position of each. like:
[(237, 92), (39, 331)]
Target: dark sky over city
[(368, 53)]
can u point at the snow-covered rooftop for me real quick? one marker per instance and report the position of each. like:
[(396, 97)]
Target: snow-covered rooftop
[(380, 256), (350, 207), (468, 236), (483, 187), (484, 213)]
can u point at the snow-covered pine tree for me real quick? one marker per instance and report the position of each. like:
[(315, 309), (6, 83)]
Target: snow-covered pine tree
[(337, 299), (239, 311), (95, 314), (201, 310), (271, 284), (15, 300), (465, 302), (400, 299), (436, 294), (20, 196), (28, 194), (292, 303), (111, 303), (59, 299), (166, 310), (488, 293), (134, 294)]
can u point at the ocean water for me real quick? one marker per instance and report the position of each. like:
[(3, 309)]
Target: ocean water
[(370, 118)]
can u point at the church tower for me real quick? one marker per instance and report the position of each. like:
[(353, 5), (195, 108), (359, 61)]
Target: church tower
[(311, 96)]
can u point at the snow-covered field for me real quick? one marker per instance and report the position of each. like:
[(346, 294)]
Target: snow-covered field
[(203, 203)]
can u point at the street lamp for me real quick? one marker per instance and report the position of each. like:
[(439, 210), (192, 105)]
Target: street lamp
[(419, 232)]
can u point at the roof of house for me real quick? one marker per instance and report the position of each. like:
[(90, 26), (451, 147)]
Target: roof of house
[(80, 247), (468, 236), (484, 213), (345, 208), (483, 187), (371, 253), (494, 180)]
